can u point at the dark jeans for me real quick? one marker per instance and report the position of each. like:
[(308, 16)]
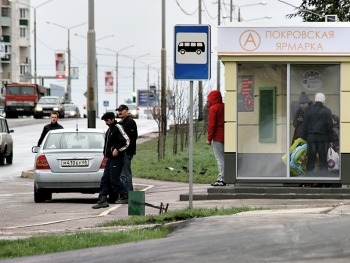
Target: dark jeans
[(314, 148), (126, 175), (111, 177)]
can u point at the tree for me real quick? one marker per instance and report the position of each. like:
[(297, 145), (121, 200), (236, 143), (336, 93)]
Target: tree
[(316, 10)]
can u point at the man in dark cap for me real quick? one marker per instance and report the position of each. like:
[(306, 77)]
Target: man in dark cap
[(304, 103), (116, 142), (130, 128)]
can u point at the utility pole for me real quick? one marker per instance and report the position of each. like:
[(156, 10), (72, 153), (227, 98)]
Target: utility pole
[(200, 83), (91, 54), (218, 59), (163, 88)]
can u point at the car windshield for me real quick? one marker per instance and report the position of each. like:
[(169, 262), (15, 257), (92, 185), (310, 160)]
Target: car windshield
[(74, 140), (49, 101), (69, 107)]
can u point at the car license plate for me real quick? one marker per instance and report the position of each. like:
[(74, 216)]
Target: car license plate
[(74, 163)]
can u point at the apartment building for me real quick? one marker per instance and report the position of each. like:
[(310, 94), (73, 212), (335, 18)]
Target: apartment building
[(15, 35)]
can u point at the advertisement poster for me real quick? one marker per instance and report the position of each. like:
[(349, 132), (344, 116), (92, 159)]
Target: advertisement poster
[(60, 65), (108, 81), (245, 93)]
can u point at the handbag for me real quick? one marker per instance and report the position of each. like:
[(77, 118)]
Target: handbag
[(332, 159)]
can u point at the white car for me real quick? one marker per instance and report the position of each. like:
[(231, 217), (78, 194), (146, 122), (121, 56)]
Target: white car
[(68, 160), (6, 142)]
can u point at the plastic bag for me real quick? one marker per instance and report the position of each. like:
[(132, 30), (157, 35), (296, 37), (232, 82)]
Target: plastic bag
[(332, 159)]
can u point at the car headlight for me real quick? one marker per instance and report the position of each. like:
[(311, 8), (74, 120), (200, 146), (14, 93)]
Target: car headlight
[(56, 108), (38, 108)]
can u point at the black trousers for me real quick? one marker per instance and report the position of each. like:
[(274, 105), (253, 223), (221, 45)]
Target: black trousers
[(315, 148)]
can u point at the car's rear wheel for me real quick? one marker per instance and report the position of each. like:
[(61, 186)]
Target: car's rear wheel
[(2, 158), (40, 196), (9, 158)]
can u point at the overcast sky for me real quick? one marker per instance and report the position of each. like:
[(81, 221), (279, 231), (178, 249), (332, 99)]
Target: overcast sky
[(132, 22)]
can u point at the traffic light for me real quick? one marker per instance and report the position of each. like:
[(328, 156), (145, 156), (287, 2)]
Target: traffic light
[(134, 99)]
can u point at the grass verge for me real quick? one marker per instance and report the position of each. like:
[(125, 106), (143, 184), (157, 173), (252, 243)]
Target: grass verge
[(39, 245), (145, 163)]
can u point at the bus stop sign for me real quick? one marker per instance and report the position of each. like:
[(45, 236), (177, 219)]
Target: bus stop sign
[(192, 52)]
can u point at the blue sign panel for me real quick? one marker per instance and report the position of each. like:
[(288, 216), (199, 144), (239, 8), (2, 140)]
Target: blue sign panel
[(192, 52), (146, 98), (105, 103)]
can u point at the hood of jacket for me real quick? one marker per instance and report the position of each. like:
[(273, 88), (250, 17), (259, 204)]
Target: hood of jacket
[(214, 97)]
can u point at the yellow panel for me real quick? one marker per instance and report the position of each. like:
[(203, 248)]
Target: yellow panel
[(345, 76), (230, 137), (344, 106), (344, 138), (230, 76), (230, 106)]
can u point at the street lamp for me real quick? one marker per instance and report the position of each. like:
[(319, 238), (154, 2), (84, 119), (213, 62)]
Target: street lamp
[(117, 70), (69, 90), (239, 9), (133, 70), (258, 18), (34, 31)]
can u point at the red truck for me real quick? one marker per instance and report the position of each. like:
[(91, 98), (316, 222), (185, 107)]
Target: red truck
[(21, 98)]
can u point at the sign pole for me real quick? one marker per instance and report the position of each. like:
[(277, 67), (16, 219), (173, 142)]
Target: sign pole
[(190, 195)]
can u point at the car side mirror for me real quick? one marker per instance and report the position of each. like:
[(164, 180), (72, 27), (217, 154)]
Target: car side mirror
[(35, 149)]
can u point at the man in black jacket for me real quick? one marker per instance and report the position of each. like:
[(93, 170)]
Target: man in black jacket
[(53, 125), (130, 128), (116, 142), (317, 131)]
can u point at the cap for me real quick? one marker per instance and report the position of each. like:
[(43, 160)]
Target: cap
[(303, 98), (122, 107), (108, 115), (320, 97)]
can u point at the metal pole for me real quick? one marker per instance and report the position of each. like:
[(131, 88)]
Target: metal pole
[(91, 54), (190, 165), (133, 75), (218, 59), (231, 7), (69, 91), (116, 79), (200, 83), (35, 68), (163, 77)]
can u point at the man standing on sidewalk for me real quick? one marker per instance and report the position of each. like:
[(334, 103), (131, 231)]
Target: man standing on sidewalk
[(116, 142), (130, 128), (215, 137)]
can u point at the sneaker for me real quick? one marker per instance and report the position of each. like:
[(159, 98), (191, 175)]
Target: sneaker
[(101, 203), (122, 199), (219, 183)]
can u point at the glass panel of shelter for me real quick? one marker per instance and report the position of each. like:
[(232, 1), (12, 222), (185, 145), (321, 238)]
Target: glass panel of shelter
[(265, 102)]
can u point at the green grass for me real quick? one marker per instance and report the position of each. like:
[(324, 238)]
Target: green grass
[(145, 163), (39, 245)]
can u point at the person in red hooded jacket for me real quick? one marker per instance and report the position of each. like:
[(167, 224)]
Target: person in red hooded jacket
[(215, 135)]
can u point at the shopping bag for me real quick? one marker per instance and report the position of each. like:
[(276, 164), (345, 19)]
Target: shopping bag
[(332, 159), (298, 160)]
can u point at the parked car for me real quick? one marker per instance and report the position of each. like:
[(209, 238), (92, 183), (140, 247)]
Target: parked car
[(71, 111), (47, 104), (133, 111), (68, 160), (6, 142)]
